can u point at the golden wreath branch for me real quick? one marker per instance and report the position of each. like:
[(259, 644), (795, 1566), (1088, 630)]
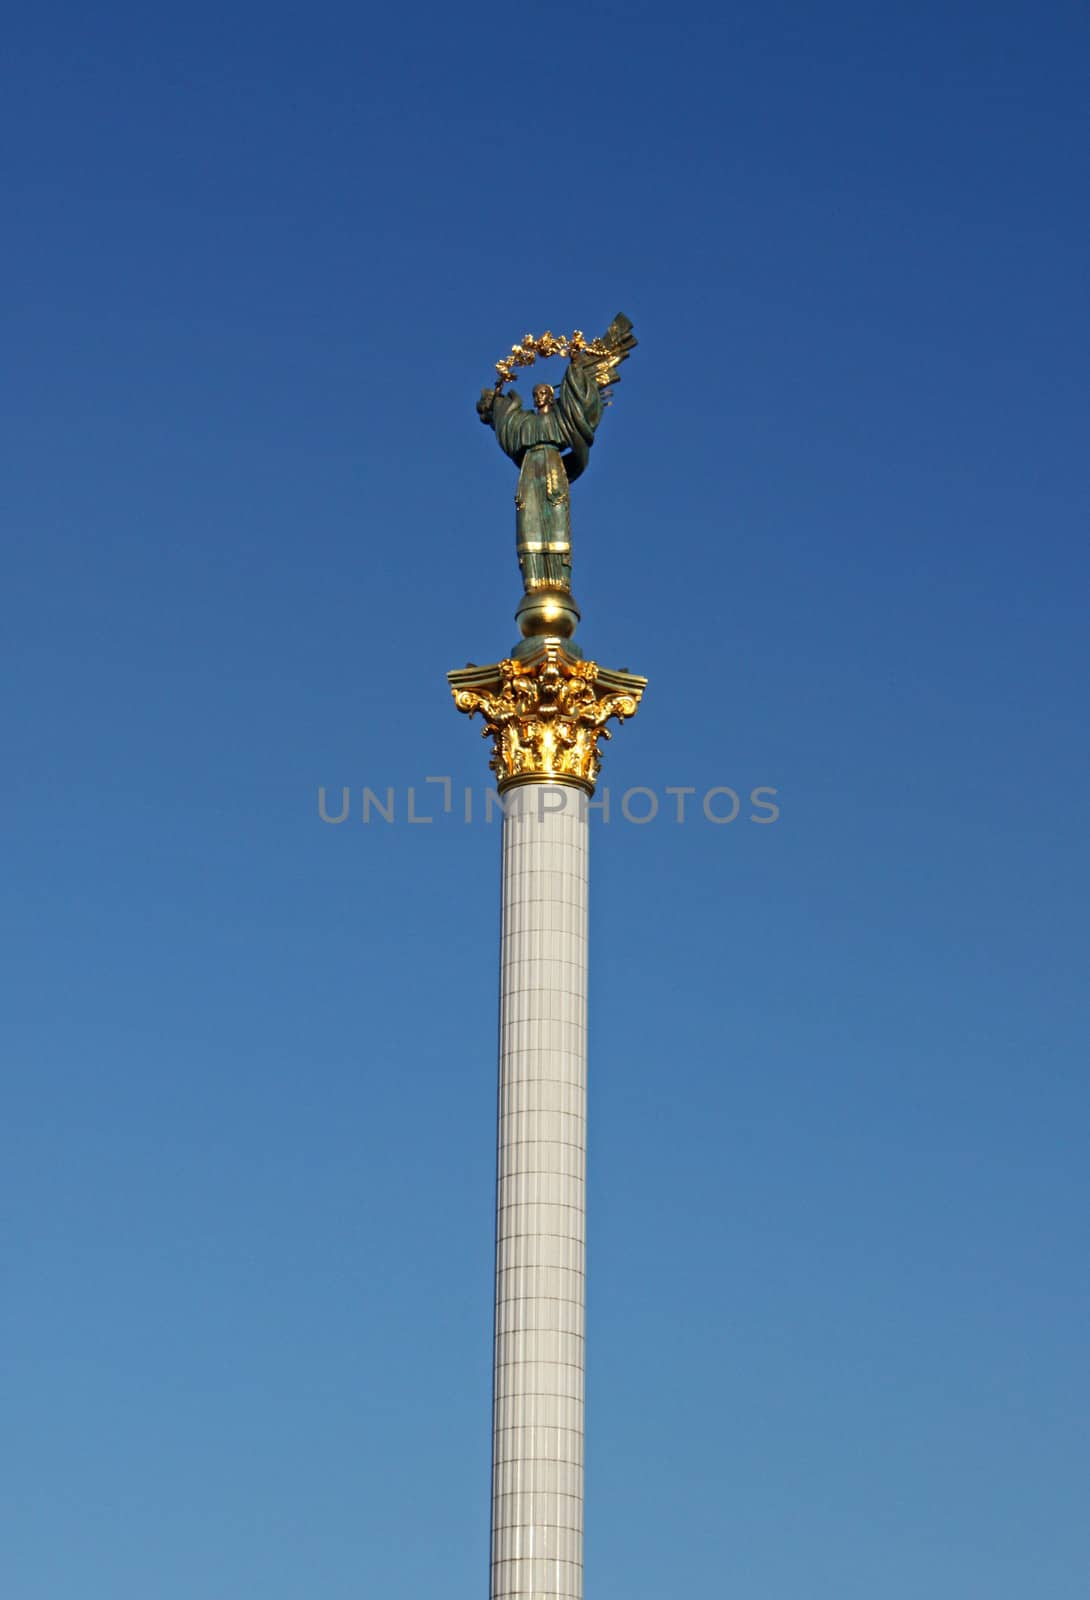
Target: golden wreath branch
[(550, 344)]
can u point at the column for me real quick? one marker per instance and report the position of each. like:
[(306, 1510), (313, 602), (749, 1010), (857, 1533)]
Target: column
[(537, 1476), (545, 708)]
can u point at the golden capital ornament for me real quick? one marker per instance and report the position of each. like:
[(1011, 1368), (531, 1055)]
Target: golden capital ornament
[(545, 715)]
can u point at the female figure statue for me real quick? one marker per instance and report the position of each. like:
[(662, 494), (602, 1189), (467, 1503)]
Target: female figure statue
[(551, 447)]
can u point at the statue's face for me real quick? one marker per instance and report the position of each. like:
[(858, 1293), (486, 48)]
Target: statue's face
[(543, 397)]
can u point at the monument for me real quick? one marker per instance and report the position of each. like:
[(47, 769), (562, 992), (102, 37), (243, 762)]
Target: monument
[(545, 708)]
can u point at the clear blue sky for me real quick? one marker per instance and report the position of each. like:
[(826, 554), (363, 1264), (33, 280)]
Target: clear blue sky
[(257, 264)]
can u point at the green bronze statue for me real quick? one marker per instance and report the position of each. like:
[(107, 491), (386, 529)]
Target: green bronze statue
[(551, 444)]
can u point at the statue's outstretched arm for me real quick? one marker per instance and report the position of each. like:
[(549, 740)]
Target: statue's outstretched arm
[(486, 406), (603, 358), (494, 405)]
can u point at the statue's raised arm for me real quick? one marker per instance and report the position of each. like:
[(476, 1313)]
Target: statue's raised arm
[(551, 444), (603, 356)]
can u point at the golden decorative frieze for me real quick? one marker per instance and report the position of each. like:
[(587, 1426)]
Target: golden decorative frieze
[(545, 715)]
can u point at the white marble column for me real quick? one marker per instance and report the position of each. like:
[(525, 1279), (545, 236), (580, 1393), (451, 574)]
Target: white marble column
[(537, 1476)]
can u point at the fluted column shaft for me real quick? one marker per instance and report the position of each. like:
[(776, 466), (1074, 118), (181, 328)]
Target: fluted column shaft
[(537, 1478)]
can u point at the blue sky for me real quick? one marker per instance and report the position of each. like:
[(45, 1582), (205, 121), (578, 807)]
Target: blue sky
[(258, 263)]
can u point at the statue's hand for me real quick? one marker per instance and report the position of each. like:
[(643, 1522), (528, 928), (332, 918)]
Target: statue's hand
[(484, 406)]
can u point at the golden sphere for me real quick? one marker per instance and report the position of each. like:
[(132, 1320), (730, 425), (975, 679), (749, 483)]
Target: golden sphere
[(547, 614)]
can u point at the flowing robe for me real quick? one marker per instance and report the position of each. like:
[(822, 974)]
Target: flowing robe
[(550, 450)]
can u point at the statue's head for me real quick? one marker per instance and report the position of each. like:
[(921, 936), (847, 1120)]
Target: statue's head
[(544, 395)]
